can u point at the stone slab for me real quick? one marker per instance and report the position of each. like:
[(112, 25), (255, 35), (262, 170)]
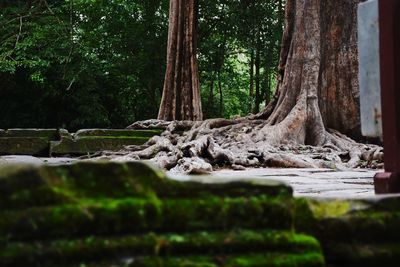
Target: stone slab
[(39, 133), (315, 183), (94, 140), (369, 75), (85, 145), (26, 141), (118, 133), (24, 146)]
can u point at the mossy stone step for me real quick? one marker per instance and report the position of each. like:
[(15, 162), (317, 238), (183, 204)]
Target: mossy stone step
[(363, 254), (363, 220), (26, 186), (95, 140), (45, 142), (49, 134), (353, 232), (26, 141), (37, 146), (105, 211), (266, 259), (137, 215), (156, 245), (116, 133)]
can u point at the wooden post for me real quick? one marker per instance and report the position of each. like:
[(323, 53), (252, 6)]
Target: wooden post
[(389, 27)]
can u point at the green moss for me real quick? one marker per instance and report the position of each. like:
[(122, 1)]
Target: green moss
[(201, 243), (282, 259), (137, 215), (113, 180), (39, 196), (329, 209), (243, 260)]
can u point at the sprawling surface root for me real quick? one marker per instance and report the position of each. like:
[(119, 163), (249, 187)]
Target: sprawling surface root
[(200, 147)]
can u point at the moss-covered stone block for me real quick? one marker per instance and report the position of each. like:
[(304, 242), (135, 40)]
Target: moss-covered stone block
[(28, 186), (26, 141), (353, 232), (167, 246), (136, 216), (98, 213), (116, 133), (95, 140), (23, 146)]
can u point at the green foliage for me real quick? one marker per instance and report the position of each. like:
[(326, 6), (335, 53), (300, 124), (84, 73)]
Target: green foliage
[(93, 63), (230, 31), (80, 63)]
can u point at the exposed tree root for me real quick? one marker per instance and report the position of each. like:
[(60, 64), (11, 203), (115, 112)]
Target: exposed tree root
[(245, 143)]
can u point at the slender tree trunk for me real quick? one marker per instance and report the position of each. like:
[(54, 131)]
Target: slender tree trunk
[(251, 72), (221, 96), (267, 94), (210, 102), (181, 94), (258, 80)]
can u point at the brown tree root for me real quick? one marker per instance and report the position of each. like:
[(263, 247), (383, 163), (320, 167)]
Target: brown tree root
[(243, 143)]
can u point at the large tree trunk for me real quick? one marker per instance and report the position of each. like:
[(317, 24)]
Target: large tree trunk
[(317, 96), (181, 94), (318, 69)]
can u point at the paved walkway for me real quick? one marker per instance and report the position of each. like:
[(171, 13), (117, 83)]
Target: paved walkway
[(324, 183)]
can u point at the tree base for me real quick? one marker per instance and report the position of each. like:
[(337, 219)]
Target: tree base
[(200, 147)]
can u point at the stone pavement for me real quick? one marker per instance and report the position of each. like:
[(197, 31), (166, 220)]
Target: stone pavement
[(326, 183), (318, 183)]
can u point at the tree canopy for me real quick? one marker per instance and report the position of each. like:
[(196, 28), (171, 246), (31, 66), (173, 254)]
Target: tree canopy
[(85, 63)]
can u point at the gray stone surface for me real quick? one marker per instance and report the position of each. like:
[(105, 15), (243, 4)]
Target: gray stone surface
[(316, 182), (369, 75)]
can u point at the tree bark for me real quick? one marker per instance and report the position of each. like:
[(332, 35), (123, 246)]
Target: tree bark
[(181, 94), (318, 68), (251, 73), (258, 79)]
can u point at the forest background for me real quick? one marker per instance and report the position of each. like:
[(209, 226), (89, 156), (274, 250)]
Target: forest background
[(101, 63)]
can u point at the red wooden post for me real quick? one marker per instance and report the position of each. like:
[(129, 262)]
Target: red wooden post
[(389, 27)]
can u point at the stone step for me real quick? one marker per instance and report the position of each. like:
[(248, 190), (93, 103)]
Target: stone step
[(270, 259), (363, 254), (353, 232), (95, 140), (28, 186), (170, 247), (74, 214), (109, 217), (45, 142)]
